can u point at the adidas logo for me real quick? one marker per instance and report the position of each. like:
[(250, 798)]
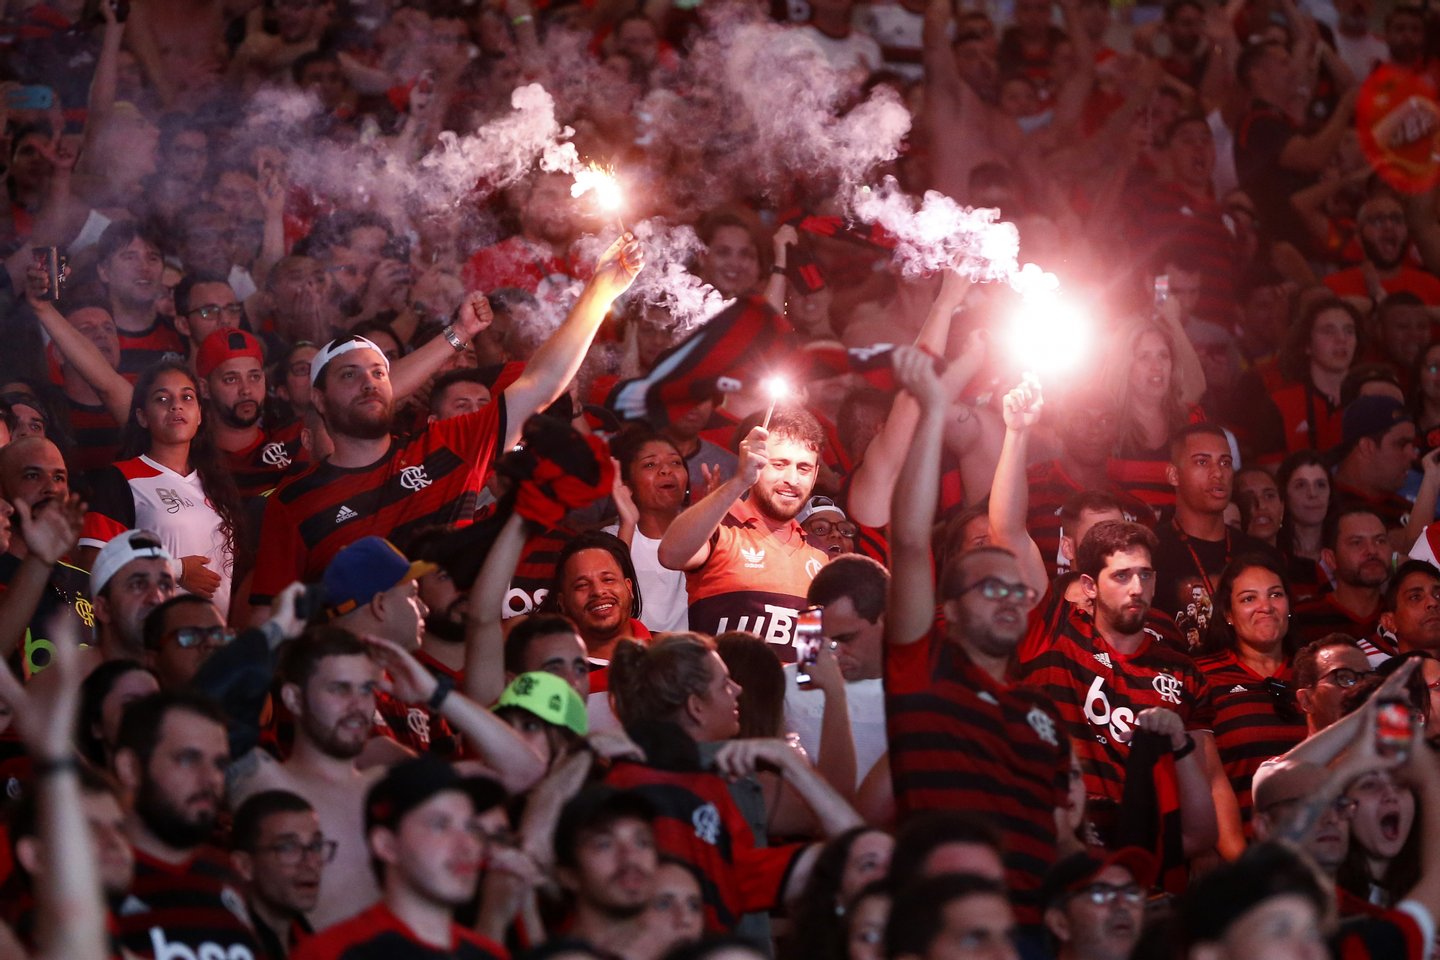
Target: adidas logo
[(1238, 688), (344, 514), (1104, 660), (753, 558)]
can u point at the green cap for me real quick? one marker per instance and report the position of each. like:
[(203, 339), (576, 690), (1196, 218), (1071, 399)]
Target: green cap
[(549, 698)]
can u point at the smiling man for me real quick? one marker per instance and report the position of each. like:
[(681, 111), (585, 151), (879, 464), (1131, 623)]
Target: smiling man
[(747, 563)]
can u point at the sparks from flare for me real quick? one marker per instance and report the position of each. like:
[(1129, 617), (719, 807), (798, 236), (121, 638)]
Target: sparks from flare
[(1048, 332), (602, 183), (778, 388)]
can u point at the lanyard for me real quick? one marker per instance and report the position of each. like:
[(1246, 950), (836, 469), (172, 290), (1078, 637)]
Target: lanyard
[(1200, 567)]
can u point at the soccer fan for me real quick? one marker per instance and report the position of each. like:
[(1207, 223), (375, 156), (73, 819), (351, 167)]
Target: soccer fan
[(1097, 664), (606, 860), (1385, 240), (1317, 354), (129, 265), (1357, 547), (961, 737), (928, 916), (826, 526), (703, 457), (1325, 670), (171, 759), (595, 589), (1095, 903), (1376, 453), (1409, 613), (231, 368), (204, 305), (35, 581), (427, 833), (538, 257), (1196, 544), (649, 494), (330, 681), (1249, 674), (747, 563), (851, 592), (280, 854), (373, 484), (130, 576), (179, 635)]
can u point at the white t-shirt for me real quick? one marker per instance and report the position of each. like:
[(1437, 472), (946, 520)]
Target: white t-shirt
[(866, 702), (664, 603)]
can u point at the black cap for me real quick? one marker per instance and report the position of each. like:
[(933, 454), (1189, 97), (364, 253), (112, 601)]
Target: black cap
[(1079, 870), (409, 784)]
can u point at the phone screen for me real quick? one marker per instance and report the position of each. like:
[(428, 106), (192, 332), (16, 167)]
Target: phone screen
[(808, 636)]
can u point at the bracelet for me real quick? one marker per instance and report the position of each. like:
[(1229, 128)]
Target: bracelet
[(523, 18), (444, 684), (778, 269), (1185, 750), (451, 338), (48, 768)]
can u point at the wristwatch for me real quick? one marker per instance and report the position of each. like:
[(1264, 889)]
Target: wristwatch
[(452, 338)]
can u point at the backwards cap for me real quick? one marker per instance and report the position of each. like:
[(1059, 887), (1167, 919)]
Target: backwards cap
[(336, 348)]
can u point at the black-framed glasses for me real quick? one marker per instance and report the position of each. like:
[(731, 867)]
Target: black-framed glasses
[(1343, 807), (823, 528), (1102, 894), (993, 588), (1344, 677), (1282, 697), (213, 310), (291, 852), (187, 637)]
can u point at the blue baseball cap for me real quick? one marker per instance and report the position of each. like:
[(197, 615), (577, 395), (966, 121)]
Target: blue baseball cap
[(364, 568)]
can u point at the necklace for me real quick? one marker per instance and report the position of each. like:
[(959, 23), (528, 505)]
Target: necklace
[(1200, 567)]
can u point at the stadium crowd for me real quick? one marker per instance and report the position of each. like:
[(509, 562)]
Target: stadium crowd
[(391, 568)]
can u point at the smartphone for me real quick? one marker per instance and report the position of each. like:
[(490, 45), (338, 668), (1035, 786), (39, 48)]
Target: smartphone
[(30, 98), (310, 605), (808, 637), (1162, 290), (1392, 727)]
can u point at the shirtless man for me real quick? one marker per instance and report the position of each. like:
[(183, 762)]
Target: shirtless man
[(330, 680)]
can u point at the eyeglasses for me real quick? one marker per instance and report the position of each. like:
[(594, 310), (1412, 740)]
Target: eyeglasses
[(1344, 677), (1342, 807), (212, 310), (993, 588), (823, 528), (187, 637), (1101, 894), (291, 852), (1284, 699)]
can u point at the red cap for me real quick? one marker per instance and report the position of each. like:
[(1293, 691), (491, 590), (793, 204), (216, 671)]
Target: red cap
[(225, 345)]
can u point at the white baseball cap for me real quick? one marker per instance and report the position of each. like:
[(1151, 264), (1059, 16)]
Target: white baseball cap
[(818, 505), (335, 348), (130, 545)]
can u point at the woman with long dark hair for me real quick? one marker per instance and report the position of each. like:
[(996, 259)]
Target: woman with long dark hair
[(171, 480), (1249, 674), (1304, 482), (1318, 351), (846, 866)]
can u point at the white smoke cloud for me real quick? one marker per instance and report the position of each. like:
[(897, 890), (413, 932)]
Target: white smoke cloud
[(940, 234)]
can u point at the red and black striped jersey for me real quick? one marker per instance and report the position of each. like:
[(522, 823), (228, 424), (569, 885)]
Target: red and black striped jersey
[(535, 572), (1050, 486), (431, 479), (754, 579), (1165, 215), (1144, 478), (700, 823), (1098, 691), (1249, 726), (143, 348), (96, 436), (1315, 618), (261, 466), (377, 934), (196, 907), (960, 741), (1311, 421), (1391, 508)]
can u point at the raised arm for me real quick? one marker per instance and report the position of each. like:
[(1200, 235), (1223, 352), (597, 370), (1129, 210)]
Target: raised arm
[(910, 608), (484, 631), (410, 372), (499, 747), (114, 390), (71, 915), (557, 361), (50, 533), (686, 544), (1010, 493)]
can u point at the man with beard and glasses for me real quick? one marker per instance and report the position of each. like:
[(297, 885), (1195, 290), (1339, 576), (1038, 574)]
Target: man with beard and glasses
[(1354, 544), (1385, 238), (606, 859), (231, 368), (171, 758), (373, 484), (428, 836), (537, 257), (746, 560), (961, 736)]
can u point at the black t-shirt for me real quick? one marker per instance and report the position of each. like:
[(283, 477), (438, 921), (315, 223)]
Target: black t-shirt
[(66, 595), (1187, 570)]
